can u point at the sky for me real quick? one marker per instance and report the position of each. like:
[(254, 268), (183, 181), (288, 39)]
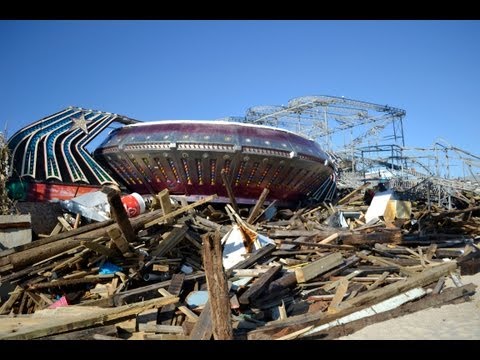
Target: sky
[(165, 69)]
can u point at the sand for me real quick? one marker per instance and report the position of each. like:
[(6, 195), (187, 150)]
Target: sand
[(449, 322)]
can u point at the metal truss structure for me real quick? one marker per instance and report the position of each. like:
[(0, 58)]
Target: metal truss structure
[(367, 143)]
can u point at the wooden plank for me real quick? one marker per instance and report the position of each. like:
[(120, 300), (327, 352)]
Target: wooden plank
[(182, 210), (92, 316), (188, 313), (378, 260), (350, 195), (16, 225), (228, 186), (258, 206), (366, 299), (282, 283), (119, 240), (379, 281), (329, 239), (276, 233), (203, 327), (14, 295), (165, 202), (87, 334), (318, 267), (253, 258), (170, 242), (70, 234), (217, 287), (383, 306), (67, 282), (64, 223), (312, 244), (119, 214), (158, 328), (147, 319), (295, 334), (426, 302), (249, 272), (350, 261), (123, 297), (339, 295), (77, 221), (426, 277), (439, 286), (259, 286), (57, 229), (456, 279), (334, 284), (105, 337), (100, 249), (168, 311)]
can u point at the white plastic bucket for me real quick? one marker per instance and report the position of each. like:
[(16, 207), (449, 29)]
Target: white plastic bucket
[(134, 204)]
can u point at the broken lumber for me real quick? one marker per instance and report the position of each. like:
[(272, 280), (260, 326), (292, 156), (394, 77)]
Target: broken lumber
[(318, 267), (33, 327), (259, 286), (158, 220), (228, 186), (217, 287), (119, 214), (258, 206)]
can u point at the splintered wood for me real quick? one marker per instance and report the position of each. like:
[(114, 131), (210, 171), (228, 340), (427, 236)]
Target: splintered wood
[(320, 271)]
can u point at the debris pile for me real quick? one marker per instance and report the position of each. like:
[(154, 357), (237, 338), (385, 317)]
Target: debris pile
[(204, 270)]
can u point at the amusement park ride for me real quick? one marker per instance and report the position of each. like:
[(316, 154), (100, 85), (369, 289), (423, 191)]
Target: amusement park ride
[(300, 151)]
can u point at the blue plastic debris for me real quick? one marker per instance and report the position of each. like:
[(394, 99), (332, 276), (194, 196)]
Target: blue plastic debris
[(109, 268), (197, 298)]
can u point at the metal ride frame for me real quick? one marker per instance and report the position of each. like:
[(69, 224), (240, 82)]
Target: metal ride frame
[(367, 143)]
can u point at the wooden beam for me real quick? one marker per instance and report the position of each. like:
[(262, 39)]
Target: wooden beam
[(426, 302), (87, 334), (77, 221), (366, 299), (339, 295), (347, 197), (379, 281), (318, 267), (259, 286), (119, 240), (56, 230), (50, 239), (16, 225), (276, 233), (381, 261), (253, 258), (68, 282), (217, 287), (188, 313), (166, 312), (7, 305), (100, 249), (228, 187), (165, 203), (123, 297), (423, 278), (119, 214), (329, 239), (64, 223), (202, 329), (258, 206), (57, 324), (172, 240), (179, 211)]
